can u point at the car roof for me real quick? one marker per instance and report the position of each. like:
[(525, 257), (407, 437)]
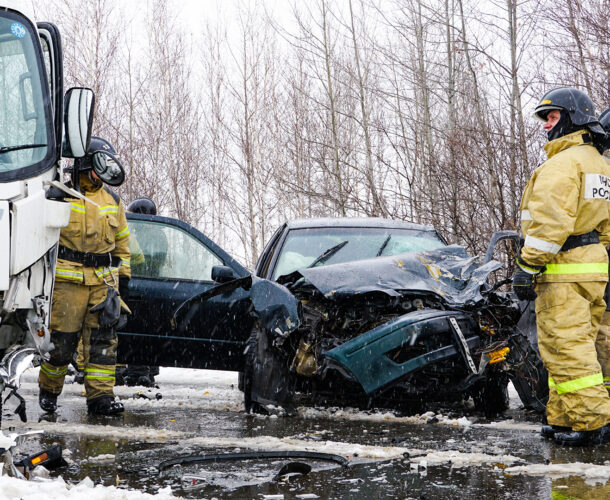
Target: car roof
[(356, 222)]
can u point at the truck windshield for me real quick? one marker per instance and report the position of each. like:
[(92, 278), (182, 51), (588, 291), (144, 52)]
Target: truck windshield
[(26, 140)]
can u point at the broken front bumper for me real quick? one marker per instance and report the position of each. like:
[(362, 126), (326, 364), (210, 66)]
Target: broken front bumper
[(368, 357)]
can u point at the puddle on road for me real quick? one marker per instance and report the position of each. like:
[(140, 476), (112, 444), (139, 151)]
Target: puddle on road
[(126, 451), (132, 464)]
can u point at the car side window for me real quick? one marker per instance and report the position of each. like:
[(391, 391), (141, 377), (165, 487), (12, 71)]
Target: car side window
[(162, 251)]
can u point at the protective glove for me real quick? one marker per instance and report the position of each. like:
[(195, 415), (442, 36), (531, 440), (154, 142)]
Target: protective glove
[(109, 310), (523, 279), (124, 287), (523, 285)]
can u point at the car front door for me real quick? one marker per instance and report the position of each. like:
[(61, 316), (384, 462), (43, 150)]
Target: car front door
[(171, 262)]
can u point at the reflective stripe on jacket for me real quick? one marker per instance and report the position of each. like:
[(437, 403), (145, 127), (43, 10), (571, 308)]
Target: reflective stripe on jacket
[(569, 194), (97, 229)]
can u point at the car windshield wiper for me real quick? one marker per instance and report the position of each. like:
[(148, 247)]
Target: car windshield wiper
[(383, 245), (6, 149), (327, 254)]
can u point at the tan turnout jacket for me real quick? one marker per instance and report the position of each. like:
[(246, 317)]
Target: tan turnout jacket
[(95, 229), (568, 194)]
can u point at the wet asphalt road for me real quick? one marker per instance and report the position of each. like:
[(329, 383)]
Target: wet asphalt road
[(388, 457)]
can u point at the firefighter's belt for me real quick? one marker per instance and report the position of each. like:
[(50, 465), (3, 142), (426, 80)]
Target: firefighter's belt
[(88, 259), (580, 240)]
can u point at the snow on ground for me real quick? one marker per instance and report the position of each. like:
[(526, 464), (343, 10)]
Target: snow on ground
[(178, 387), (592, 473), (418, 419), (187, 376), (18, 489), (197, 388), (139, 434), (210, 389), (217, 390), (352, 451)]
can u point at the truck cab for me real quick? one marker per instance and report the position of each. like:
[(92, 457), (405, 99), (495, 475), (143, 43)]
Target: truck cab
[(38, 126)]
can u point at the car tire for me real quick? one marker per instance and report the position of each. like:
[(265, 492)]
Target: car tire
[(491, 397)]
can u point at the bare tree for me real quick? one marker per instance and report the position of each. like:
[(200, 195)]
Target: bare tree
[(412, 109)]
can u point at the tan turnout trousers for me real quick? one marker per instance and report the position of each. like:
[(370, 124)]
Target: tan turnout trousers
[(568, 317), (70, 315)]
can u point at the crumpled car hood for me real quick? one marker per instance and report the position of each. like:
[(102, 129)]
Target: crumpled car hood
[(448, 272)]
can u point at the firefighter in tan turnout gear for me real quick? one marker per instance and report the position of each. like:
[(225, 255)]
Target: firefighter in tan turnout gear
[(92, 268), (565, 219)]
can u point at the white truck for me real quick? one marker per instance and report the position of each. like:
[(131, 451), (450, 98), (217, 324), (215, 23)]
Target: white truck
[(38, 126)]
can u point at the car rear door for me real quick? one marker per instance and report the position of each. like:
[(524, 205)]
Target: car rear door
[(171, 262)]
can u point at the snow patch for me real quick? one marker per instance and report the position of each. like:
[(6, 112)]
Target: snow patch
[(464, 422), (190, 376), (358, 453), (377, 416), (143, 434), (512, 425), (102, 458), (18, 489), (591, 472), (462, 459)]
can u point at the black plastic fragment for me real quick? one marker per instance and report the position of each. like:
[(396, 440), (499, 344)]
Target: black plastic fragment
[(20, 410), (51, 459), (254, 455)]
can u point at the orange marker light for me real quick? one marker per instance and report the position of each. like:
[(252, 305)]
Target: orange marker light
[(40, 458)]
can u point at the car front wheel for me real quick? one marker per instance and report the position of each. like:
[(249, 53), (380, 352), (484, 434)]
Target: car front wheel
[(492, 396)]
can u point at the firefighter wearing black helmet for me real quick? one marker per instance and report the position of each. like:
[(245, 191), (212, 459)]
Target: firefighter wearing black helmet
[(143, 205), (564, 265), (143, 374), (93, 265)]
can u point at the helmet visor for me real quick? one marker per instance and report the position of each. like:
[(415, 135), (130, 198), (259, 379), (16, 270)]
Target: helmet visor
[(543, 110)]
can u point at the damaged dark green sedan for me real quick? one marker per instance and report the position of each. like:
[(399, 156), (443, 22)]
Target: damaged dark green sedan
[(390, 316)]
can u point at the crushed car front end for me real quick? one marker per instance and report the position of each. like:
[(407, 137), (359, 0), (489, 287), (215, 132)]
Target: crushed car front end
[(399, 331)]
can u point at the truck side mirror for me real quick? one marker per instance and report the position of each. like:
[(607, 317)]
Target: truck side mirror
[(79, 103)]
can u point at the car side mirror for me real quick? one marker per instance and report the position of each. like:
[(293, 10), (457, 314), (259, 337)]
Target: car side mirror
[(79, 103), (222, 274)]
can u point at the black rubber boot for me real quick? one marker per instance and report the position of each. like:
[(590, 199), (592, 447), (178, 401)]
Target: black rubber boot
[(79, 377), (47, 401), (549, 431), (584, 438), (145, 381), (104, 405), (120, 374)]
